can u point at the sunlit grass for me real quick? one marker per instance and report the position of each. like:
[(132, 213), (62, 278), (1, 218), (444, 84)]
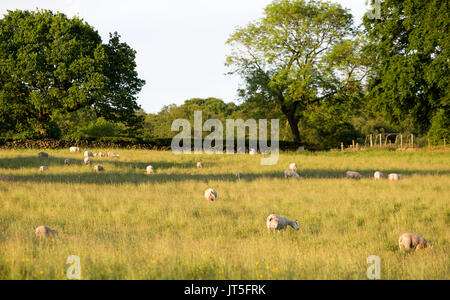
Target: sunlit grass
[(124, 224)]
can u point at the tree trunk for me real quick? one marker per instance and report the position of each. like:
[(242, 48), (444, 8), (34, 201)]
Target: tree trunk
[(293, 123)]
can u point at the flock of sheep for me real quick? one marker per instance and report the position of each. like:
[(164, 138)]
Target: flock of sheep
[(273, 222)]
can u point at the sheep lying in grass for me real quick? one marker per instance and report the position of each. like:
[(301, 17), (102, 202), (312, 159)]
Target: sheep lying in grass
[(395, 177), (43, 169), (239, 175), (293, 167), (276, 222), (74, 149), (87, 161), (101, 154), (67, 162), (4, 178), (291, 174), (378, 175), (199, 165), (44, 231), (99, 169), (210, 194), (88, 154), (150, 170), (413, 241), (42, 154), (112, 154), (353, 175)]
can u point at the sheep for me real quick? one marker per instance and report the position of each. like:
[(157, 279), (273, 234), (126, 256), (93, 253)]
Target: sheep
[(276, 222), (253, 151), (44, 231), (87, 161), (43, 169), (150, 170), (378, 175), (74, 149), (101, 154), (4, 178), (99, 169), (290, 174), (293, 167), (42, 154), (239, 175), (67, 162), (395, 177), (353, 175), (413, 241), (112, 154), (199, 165), (210, 194), (88, 154)]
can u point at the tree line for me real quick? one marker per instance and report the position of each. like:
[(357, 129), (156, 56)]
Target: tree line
[(303, 62)]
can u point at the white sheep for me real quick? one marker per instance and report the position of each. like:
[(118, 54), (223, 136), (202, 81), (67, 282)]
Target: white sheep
[(276, 222), (413, 241), (43, 169), (150, 170), (101, 154), (353, 175), (67, 162), (87, 161), (4, 178), (291, 174), (199, 165), (44, 231), (293, 167), (42, 154), (99, 169), (74, 149), (395, 177), (239, 175), (88, 154), (378, 175), (112, 154), (210, 194)]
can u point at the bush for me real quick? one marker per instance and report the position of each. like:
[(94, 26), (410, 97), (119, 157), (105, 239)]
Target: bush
[(440, 127)]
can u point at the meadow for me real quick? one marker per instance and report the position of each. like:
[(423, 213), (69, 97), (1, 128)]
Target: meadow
[(125, 224)]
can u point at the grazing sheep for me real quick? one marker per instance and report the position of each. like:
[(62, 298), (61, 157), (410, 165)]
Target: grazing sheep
[(74, 149), (88, 154), (395, 177), (210, 194), (253, 151), (239, 175), (67, 162), (44, 231), (43, 169), (276, 222), (378, 175), (42, 154), (293, 167), (112, 154), (150, 170), (101, 154), (413, 241), (353, 175), (4, 178), (87, 161), (290, 174), (99, 169), (199, 165)]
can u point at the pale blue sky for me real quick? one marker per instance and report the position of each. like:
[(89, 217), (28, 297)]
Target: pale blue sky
[(180, 44)]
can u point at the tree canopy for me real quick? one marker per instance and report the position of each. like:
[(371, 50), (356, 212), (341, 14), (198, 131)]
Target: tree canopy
[(52, 65)]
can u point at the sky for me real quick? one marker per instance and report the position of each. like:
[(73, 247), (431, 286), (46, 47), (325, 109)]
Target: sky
[(180, 44)]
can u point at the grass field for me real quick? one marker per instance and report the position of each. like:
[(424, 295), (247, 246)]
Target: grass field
[(124, 224)]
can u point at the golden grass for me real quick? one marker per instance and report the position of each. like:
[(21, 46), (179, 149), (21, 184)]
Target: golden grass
[(124, 224)]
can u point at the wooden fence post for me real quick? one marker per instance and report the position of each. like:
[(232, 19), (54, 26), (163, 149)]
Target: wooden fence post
[(412, 140), (371, 140), (342, 147), (353, 145), (401, 141)]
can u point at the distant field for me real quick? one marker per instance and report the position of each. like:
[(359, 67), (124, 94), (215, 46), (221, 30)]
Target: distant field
[(124, 224)]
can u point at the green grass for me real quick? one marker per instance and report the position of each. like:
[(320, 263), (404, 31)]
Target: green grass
[(124, 224)]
